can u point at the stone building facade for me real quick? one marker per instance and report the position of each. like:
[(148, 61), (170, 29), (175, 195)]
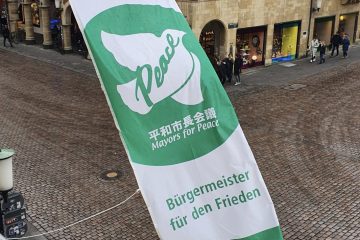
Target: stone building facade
[(48, 22), (263, 31), (268, 31)]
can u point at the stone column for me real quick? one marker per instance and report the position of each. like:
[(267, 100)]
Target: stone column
[(269, 44), (29, 29), (13, 14), (195, 21), (66, 28), (45, 24), (312, 26), (231, 40), (337, 22), (357, 39)]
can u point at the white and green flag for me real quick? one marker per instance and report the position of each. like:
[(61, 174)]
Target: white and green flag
[(192, 162)]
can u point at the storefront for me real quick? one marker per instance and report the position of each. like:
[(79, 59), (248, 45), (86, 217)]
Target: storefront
[(286, 41), (348, 24), (212, 38), (250, 43), (324, 28)]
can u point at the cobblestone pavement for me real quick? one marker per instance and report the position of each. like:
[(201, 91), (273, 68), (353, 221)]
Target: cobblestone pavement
[(307, 145), (306, 140)]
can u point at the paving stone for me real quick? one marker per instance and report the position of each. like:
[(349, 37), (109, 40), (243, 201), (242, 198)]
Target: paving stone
[(306, 142)]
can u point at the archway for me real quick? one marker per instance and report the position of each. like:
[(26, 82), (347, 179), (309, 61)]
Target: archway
[(66, 22), (66, 14), (212, 38)]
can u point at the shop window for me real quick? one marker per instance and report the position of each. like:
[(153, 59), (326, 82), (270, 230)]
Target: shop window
[(208, 42), (35, 10), (250, 44), (285, 42), (212, 38)]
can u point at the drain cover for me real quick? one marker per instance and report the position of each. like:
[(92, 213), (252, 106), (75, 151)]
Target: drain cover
[(110, 175), (287, 64), (294, 87)]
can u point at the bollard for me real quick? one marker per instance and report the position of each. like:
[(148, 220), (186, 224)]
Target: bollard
[(6, 174), (12, 211)]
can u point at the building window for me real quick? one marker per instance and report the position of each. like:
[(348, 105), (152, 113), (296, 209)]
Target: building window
[(250, 43), (285, 42)]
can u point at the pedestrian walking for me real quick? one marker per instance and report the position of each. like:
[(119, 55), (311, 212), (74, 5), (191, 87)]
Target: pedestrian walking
[(237, 68), (6, 35), (314, 44), (346, 45), (335, 42), (322, 48)]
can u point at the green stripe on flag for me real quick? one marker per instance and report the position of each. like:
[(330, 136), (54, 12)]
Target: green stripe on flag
[(270, 234)]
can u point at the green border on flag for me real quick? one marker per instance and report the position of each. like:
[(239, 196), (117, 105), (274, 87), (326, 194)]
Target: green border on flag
[(270, 234)]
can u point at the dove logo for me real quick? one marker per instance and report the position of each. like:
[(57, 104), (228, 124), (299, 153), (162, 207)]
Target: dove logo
[(163, 67)]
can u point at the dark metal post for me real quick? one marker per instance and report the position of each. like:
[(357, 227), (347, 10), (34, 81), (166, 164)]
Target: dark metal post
[(308, 37)]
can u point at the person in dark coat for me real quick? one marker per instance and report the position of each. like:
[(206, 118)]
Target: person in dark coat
[(335, 42), (322, 49), (6, 35), (214, 62), (237, 68), (346, 45), (230, 67), (223, 70)]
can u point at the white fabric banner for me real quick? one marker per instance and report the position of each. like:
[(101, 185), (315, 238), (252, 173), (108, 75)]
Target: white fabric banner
[(192, 162)]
